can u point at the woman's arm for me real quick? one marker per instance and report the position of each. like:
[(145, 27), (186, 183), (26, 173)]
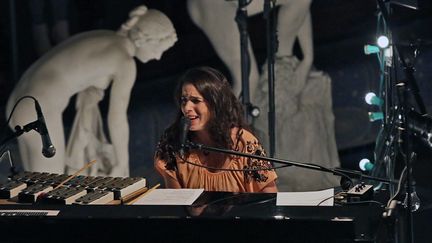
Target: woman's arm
[(270, 188), (262, 180), (171, 183), (169, 176)]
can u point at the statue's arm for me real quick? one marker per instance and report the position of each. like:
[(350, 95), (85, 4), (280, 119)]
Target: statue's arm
[(305, 38)]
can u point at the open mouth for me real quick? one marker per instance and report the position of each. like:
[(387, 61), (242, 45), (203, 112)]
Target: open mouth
[(194, 121), (193, 117)]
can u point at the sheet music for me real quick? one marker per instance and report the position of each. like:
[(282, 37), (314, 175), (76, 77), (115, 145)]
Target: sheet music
[(170, 197), (312, 198)]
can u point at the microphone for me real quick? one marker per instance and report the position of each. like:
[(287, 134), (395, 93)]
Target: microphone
[(366, 165), (48, 149), (185, 124)]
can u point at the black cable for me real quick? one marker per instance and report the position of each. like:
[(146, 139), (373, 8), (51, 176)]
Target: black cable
[(325, 199), (402, 178), (13, 110), (5, 142)]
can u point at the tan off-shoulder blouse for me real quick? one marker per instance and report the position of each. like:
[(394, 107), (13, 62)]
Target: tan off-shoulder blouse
[(192, 176)]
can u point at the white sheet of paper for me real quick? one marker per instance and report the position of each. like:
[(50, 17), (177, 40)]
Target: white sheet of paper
[(312, 198), (170, 197)]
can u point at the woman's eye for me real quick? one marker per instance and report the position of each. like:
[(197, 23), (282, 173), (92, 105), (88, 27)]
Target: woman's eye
[(195, 101), (184, 100)]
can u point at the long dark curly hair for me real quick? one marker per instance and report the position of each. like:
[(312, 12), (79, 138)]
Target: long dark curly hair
[(225, 109)]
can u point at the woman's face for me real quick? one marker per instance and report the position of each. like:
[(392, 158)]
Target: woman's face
[(194, 107)]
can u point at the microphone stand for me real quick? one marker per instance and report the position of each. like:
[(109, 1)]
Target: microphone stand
[(18, 132), (272, 45), (336, 171), (404, 128), (241, 19), (250, 109)]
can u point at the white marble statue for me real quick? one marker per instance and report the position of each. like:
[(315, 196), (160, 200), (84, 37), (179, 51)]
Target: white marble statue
[(304, 116), (216, 19), (86, 65)]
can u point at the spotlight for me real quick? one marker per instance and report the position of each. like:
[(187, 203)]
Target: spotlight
[(254, 111), (372, 99), (383, 41)]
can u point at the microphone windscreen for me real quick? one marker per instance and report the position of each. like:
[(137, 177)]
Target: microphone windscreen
[(185, 124)]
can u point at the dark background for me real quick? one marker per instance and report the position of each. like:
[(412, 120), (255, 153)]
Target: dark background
[(340, 28)]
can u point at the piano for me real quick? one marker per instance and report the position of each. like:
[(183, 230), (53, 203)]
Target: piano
[(213, 217)]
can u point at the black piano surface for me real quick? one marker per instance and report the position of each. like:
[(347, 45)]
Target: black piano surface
[(213, 217)]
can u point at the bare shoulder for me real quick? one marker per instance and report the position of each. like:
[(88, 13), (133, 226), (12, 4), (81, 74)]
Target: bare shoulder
[(246, 141), (243, 134)]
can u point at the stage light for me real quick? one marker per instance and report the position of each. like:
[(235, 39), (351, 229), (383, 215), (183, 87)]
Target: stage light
[(375, 116), (372, 99), (370, 49), (253, 110), (365, 165), (383, 42)]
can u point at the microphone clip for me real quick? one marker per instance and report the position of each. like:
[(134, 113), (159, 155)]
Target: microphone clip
[(184, 148), (27, 128)]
